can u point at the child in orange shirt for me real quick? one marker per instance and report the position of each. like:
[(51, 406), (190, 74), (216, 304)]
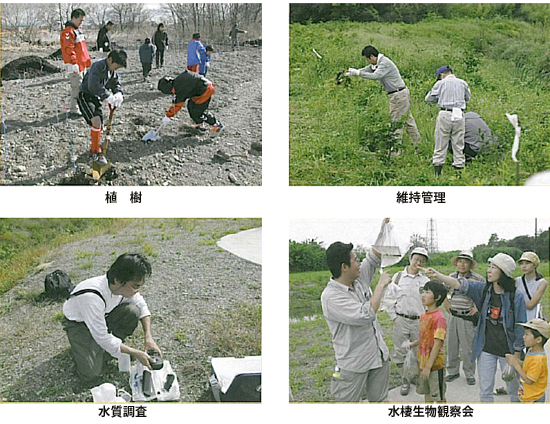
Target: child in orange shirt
[(533, 371), (431, 359)]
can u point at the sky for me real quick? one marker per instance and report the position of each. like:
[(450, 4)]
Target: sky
[(453, 234)]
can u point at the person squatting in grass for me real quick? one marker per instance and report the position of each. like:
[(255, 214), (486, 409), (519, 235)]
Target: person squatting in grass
[(382, 69), (430, 356), (205, 60), (532, 284), (451, 94), (501, 307), (198, 91), (146, 55), (403, 303), (477, 136), (195, 50), (462, 321), (349, 306), (160, 40), (533, 371), (75, 55), (100, 84), (103, 311)]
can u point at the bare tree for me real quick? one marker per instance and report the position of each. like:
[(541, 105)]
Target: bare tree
[(22, 19)]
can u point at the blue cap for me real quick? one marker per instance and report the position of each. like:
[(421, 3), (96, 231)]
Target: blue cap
[(443, 69)]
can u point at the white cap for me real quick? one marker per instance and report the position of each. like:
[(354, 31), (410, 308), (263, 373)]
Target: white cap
[(419, 251), (504, 262)]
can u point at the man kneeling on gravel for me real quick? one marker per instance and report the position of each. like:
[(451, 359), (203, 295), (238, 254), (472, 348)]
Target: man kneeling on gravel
[(198, 91), (102, 311)]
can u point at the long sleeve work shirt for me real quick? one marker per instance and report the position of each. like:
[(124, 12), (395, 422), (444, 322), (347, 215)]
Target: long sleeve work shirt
[(357, 336)]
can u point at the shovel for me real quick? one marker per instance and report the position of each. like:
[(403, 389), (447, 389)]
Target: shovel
[(99, 170), (153, 135)]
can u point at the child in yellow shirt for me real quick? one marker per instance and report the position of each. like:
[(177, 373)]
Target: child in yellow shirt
[(533, 371)]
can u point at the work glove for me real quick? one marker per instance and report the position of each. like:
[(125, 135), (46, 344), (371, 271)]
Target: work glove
[(166, 120), (73, 69), (111, 100), (119, 98), (352, 72)]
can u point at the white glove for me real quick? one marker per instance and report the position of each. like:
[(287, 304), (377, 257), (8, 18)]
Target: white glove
[(72, 69), (166, 120), (165, 47), (119, 98), (207, 64), (352, 72), (111, 100)]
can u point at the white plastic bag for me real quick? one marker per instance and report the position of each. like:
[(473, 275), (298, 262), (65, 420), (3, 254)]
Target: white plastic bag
[(106, 392), (159, 378), (389, 246), (410, 367)]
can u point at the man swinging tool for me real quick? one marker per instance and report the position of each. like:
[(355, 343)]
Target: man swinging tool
[(100, 84), (198, 90)]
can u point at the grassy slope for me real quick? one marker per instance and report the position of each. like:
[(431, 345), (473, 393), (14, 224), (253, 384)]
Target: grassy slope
[(330, 125), (311, 356)]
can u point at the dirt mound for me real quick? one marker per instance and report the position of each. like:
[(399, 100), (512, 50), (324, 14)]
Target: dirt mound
[(29, 66)]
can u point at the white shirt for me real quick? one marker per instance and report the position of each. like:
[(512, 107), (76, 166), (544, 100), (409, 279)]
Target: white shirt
[(90, 309), (404, 297)]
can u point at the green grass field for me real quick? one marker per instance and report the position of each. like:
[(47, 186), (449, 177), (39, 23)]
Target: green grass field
[(339, 134), (311, 357)]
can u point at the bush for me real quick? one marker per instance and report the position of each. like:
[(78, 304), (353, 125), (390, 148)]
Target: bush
[(306, 256)]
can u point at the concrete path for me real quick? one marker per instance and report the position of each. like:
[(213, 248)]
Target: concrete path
[(246, 244), (457, 392)]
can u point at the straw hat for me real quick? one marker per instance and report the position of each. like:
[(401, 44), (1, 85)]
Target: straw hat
[(465, 254)]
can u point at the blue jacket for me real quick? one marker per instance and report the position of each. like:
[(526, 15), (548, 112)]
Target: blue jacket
[(194, 50), (98, 79), (514, 333)]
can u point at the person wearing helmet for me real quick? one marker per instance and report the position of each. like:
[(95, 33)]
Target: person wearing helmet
[(501, 307), (403, 296)]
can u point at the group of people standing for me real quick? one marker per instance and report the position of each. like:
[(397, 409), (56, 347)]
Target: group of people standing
[(92, 84), (449, 93), (492, 320)]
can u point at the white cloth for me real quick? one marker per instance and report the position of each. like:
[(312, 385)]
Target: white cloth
[(457, 114), (90, 309)]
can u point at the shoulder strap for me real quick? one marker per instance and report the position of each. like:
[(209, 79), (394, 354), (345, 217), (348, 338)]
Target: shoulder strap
[(83, 291), (525, 287), (398, 277)]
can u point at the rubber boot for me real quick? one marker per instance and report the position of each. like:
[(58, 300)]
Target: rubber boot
[(437, 169)]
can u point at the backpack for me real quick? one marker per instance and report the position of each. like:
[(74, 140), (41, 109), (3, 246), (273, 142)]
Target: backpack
[(58, 285)]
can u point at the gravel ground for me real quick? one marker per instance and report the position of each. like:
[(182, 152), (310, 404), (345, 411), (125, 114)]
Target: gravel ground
[(38, 149), (198, 295)]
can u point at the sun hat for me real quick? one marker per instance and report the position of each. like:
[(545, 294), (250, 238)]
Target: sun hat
[(538, 324), (530, 257), (504, 262), (465, 254)]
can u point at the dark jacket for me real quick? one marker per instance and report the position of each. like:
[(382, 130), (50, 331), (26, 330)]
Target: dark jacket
[(147, 53), (189, 84), (103, 39), (160, 39), (98, 79)]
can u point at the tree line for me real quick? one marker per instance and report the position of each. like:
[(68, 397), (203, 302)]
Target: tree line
[(212, 19), (310, 254), (415, 12)]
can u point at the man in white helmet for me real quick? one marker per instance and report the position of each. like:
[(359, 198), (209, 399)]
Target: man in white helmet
[(405, 308)]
